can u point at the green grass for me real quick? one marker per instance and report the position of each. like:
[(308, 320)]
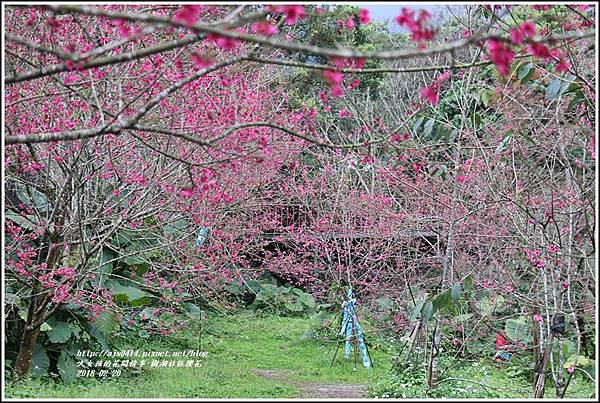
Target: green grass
[(474, 379), (242, 342), (235, 345)]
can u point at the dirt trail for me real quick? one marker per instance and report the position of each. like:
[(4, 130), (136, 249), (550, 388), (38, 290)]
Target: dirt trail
[(315, 390)]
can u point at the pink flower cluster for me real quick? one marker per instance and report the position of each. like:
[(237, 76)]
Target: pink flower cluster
[(501, 55), (265, 28), (334, 79), (419, 28), (188, 14), (222, 42), (525, 30), (535, 258), (431, 93)]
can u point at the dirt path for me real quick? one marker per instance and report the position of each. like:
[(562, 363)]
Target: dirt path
[(315, 390)]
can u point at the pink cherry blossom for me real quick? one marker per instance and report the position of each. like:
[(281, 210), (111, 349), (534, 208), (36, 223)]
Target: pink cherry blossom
[(501, 55), (188, 14), (364, 16)]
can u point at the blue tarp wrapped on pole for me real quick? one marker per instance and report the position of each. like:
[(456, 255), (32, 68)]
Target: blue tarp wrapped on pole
[(351, 328), (202, 234)]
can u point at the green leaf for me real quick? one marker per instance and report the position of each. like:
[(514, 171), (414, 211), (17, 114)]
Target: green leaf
[(441, 301), (568, 83), (107, 323), (294, 306), (518, 330), (67, 367), (440, 171), (39, 361), (414, 313), (577, 361), (176, 227), (125, 293), (477, 120), (463, 317), (253, 286), (144, 334), (106, 256), (455, 292), (307, 300), (428, 127), (487, 307), (134, 257), (568, 347), (427, 311), (26, 222), (485, 98), (384, 303), (525, 72), (45, 327), (504, 143), (97, 334), (452, 136), (468, 283), (417, 123), (552, 92), (60, 332), (193, 310), (75, 329)]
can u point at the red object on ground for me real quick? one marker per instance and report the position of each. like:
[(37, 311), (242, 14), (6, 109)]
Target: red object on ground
[(500, 341)]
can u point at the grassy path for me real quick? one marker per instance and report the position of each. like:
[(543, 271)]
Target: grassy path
[(248, 357)]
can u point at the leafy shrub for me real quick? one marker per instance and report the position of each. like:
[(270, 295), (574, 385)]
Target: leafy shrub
[(284, 301), (409, 380)]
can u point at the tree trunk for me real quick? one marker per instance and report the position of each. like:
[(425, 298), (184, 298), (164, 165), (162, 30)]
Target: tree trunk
[(540, 377), (434, 359), (28, 341)]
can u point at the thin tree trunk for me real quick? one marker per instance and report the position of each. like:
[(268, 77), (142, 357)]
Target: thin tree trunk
[(540, 377), (447, 276), (25, 356)]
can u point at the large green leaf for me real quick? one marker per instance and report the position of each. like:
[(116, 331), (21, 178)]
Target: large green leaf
[(525, 72), (97, 334), (37, 198), (504, 143), (518, 330), (67, 367), (417, 123), (577, 361), (128, 294), (106, 263), (462, 317), (307, 300), (442, 301), (455, 292), (60, 332), (193, 310), (294, 306), (39, 361), (384, 303), (415, 311), (125, 293), (176, 227), (428, 127), (468, 283), (488, 306), (552, 92), (26, 222), (107, 323), (427, 311)]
